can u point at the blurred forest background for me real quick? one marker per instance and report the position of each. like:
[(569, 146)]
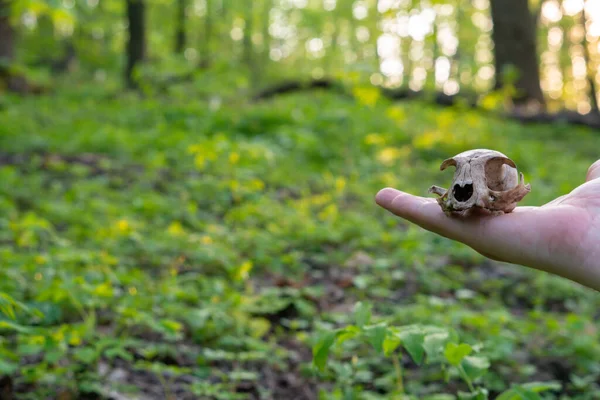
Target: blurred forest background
[(186, 198), (545, 50)]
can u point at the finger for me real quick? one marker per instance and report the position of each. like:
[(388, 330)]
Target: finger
[(503, 237), (424, 212), (593, 172)]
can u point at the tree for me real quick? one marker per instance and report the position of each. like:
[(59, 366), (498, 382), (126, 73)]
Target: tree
[(180, 37), (206, 40), (136, 44), (590, 73), (515, 45), (7, 46), (8, 78), (248, 30), (266, 35)]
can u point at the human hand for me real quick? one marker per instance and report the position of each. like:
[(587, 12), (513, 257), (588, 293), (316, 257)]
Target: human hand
[(561, 237)]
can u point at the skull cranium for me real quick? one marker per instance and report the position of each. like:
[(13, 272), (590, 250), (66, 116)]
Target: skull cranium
[(485, 180)]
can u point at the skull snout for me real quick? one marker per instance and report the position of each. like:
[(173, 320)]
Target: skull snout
[(485, 180), (462, 193)]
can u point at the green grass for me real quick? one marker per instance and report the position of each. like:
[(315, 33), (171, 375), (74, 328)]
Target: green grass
[(195, 247)]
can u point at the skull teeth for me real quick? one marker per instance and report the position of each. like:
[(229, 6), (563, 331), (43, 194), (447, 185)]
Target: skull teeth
[(484, 179)]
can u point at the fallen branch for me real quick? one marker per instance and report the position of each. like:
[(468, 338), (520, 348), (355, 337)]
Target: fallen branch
[(440, 98), (591, 120), (17, 83), (470, 100), (294, 86)]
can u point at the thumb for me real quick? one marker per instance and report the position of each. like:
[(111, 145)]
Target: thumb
[(593, 172), (494, 237), (421, 211)]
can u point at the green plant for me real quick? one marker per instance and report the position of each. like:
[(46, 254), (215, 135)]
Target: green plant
[(424, 344)]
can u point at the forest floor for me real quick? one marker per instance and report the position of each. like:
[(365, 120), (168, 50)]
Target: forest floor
[(181, 246)]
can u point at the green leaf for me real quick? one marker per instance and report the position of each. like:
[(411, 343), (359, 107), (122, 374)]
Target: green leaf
[(454, 353), (322, 347), (521, 393), (539, 387), (7, 325), (479, 394), (86, 355), (118, 352), (375, 335), (7, 367), (475, 366), (349, 332), (525, 394), (390, 343), (413, 341), (362, 314), (434, 345), (171, 326), (243, 375), (510, 394), (52, 356)]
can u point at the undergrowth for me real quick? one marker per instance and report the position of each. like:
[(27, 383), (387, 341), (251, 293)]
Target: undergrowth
[(187, 246)]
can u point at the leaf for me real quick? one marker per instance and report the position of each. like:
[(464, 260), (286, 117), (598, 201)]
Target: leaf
[(243, 271), (259, 327), (510, 394), (434, 345), (366, 95), (479, 394), (243, 375), (375, 335), (86, 355), (7, 367), (14, 327), (8, 310), (390, 344), (454, 353), (413, 342), (362, 314), (475, 366), (118, 352), (171, 326), (53, 355), (322, 347), (539, 387), (347, 333), (522, 392), (526, 394)]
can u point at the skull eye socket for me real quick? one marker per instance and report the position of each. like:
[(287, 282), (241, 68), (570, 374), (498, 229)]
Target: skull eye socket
[(463, 193)]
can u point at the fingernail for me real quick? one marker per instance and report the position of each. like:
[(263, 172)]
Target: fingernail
[(385, 197)]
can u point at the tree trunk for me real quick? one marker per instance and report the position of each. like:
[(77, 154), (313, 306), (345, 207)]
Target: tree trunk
[(6, 33), (436, 54), (564, 58), (589, 69), (331, 54), (266, 34), (205, 56), (10, 81), (515, 45), (248, 29), (136, 44), (180, 37)]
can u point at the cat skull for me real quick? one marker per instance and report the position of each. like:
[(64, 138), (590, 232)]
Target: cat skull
[(485, 180)]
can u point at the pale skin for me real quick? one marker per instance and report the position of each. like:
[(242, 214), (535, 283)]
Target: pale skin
[(561, 237)]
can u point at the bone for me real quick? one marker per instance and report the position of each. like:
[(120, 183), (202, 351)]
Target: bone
[(485, 182)]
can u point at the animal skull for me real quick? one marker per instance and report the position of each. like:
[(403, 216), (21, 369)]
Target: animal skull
[(485, 180)]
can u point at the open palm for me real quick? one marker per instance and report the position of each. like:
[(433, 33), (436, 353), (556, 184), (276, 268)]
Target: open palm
[(561, 237)]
